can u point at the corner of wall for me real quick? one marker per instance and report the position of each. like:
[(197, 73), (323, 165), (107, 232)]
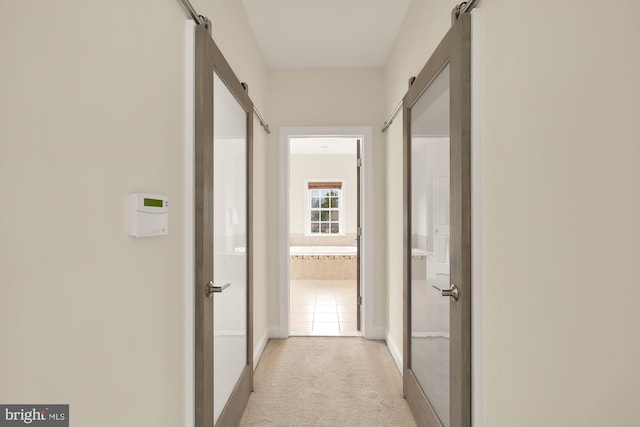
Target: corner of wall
[(395, 351), (375, 333), (259, 348)]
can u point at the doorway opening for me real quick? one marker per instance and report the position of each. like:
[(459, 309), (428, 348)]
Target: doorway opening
[(364, 255), (324, 184)]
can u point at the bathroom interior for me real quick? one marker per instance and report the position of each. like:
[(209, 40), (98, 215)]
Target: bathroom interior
[(323, 263)]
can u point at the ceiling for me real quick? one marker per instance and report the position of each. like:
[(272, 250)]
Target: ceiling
[(325, 33), (322, 145)]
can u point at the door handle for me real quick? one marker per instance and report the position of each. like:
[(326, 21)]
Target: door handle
[(452, 292), (213, 289)]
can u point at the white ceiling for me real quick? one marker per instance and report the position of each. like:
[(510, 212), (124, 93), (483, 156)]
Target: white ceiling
[(317, 145), (325, 33)]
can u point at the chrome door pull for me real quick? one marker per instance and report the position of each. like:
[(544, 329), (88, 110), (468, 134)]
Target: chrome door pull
[(451, 292), (213, 289)]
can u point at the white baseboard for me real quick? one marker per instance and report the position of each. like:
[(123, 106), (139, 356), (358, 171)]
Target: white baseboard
[(395, 352), (259, 349), (271, 332)]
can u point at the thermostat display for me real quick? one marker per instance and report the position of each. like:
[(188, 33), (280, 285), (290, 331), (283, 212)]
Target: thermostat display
[(153, 202), (149, 215)]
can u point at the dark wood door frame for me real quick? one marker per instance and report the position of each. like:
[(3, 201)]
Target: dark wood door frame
[(209, 59), (454, 50)]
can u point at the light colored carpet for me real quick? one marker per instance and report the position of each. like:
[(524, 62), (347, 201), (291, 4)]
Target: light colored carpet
[(327, 381)]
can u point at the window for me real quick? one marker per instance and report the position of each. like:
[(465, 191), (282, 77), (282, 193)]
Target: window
[(325, 208)]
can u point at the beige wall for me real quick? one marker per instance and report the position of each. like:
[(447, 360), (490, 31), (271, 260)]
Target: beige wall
[(425, 25), (559, 150), (327, 97), (92, 108), (309, 167), (234, 36)]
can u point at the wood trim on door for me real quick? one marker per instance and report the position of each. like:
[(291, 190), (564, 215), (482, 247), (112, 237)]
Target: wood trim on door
[(203, 228), (455, 50), (209, 58), (358, 234)]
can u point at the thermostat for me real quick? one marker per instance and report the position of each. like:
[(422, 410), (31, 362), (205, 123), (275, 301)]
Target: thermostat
[(149, 214)]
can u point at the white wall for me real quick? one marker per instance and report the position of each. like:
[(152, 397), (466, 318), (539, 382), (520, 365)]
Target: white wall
[(326, 97), (319, 166), (559, 150), (92, 108)]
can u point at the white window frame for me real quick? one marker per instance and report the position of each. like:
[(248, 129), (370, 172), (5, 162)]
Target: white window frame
[(307, 208)]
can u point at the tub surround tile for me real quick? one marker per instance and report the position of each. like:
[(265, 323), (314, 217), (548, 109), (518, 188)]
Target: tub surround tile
[(323, 267), (329, 269)]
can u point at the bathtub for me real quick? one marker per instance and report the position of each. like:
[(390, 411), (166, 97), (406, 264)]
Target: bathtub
[(323, 262), (323, 250)]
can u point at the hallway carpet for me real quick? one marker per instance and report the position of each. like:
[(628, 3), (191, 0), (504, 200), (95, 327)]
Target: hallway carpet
[(327, 381)]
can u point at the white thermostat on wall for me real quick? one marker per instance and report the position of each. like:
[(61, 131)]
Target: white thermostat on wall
[(149, 214)]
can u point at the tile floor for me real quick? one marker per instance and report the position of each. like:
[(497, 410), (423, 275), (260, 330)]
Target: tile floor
[(323, 307)]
